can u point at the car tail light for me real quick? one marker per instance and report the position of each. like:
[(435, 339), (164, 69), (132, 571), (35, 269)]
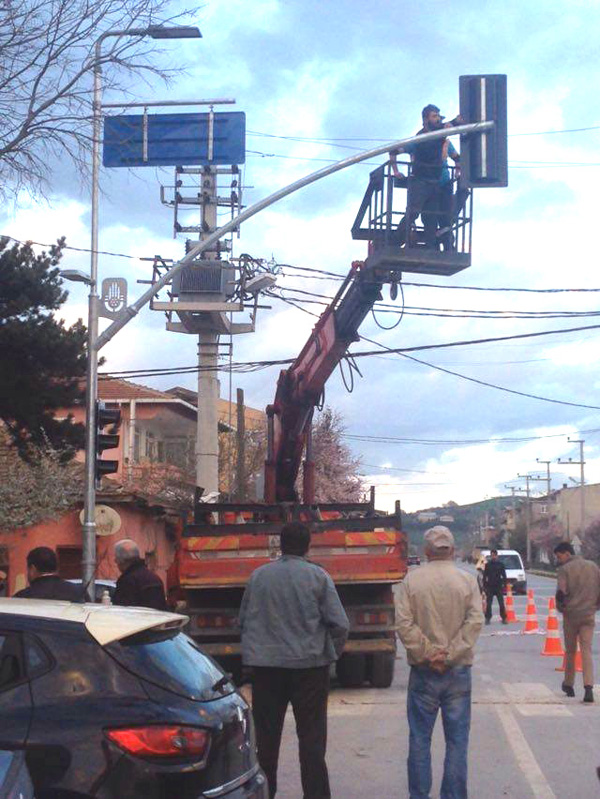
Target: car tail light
[(162, 741), (380, 617), (214, 620)]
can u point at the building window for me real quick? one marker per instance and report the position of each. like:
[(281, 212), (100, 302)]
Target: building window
[(543, 509), (150, 447)]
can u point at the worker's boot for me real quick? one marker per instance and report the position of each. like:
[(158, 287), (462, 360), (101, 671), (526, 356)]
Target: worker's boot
[(569, 690), (588, 695)]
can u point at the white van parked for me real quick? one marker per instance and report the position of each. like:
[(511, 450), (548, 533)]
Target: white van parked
[(515, 571)]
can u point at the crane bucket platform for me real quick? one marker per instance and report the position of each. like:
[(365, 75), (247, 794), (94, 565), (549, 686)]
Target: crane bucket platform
[(439, 243)]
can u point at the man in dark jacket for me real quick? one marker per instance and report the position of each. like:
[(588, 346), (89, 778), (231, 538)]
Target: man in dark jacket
[(137, 586), (44, 582), (293, 627), (494, 584), (429, 185)]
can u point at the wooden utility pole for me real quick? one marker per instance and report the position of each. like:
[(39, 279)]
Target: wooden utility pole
[(240, 472)]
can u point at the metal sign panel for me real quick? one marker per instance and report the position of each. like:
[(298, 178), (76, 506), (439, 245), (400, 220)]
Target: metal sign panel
[(113, 297), (175, 139)]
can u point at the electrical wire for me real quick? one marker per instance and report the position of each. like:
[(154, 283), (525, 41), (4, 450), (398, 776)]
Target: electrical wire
[(251, 366), (484, 382)]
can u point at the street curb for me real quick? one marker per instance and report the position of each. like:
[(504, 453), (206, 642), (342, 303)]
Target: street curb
[(540, 573)]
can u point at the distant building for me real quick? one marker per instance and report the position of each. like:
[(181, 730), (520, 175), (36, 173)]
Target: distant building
[(446, 519)]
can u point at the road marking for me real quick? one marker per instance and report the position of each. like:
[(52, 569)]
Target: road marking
[(524, 756), (544, 710), (529, 693)]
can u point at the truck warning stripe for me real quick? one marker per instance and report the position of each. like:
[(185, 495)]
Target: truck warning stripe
[(364, 539), (212, 542)]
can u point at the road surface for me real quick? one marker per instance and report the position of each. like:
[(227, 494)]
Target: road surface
[(528, 741)]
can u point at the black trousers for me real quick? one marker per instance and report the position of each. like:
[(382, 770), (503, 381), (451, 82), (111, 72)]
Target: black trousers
[(490, 594), (307, 689), (424, 199)]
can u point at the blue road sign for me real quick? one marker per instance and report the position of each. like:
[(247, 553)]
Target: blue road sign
[(175, 139)]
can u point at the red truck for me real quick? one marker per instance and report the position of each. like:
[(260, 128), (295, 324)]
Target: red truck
[(364, 552)]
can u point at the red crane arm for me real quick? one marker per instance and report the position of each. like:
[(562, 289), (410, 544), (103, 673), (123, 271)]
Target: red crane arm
[(300, 387)]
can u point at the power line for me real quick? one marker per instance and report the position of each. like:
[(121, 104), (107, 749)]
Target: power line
[(375, 439), (484, 382)]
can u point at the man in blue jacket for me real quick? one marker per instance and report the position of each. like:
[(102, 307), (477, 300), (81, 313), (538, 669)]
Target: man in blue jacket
[(293, 627)]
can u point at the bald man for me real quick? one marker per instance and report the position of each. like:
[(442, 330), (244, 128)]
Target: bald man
[(137, 586)]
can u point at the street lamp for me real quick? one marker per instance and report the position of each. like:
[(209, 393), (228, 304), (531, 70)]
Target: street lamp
[(89, 498)]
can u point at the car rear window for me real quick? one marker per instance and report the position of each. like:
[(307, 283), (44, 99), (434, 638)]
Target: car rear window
[(171, 660), (511, 562)]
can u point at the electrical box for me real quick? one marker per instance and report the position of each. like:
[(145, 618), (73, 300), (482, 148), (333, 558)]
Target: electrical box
[(484, 156), (205, 280)]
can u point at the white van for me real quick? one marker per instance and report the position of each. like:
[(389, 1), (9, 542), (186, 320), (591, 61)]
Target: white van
[(515, 571)]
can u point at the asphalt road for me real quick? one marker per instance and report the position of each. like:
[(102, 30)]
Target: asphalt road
[(528, 741)]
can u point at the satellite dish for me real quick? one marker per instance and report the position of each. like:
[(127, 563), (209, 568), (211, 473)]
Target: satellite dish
[(108, 521)]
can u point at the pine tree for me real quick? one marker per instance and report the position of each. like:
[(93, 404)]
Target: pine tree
[(41, 361)]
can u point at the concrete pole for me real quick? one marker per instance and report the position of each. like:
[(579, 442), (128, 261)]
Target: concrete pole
[(548, 480), (207, 430)]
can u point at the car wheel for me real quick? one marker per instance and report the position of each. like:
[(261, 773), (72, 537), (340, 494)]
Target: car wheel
[(351, 670), (382, 669)]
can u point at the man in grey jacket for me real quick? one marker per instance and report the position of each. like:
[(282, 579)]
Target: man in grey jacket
[(293, 627)]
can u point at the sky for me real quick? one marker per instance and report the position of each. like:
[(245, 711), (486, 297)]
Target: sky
[(317, 82)]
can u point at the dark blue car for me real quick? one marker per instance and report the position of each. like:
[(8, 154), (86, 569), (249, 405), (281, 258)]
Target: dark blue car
[(118, 703)]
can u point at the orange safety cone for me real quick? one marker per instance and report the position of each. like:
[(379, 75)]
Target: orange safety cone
[(552, 644), (578, 661), (531, 621), (511, 616)]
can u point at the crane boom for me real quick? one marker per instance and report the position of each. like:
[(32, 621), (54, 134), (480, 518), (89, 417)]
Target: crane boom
[(300, 387)]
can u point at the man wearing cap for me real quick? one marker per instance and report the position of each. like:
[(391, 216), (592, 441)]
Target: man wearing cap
[(439, 621), (429, 185)]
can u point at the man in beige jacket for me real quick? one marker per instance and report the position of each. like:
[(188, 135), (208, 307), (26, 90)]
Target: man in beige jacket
[(578, 599), (439, 621)]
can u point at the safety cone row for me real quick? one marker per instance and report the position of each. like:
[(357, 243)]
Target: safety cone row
[(552, 644), (511, 616), (531, 620)]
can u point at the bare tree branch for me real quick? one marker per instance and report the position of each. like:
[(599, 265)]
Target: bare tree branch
[(47, 59)]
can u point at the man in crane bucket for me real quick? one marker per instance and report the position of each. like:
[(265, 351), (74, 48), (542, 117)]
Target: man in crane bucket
[(430, 188)]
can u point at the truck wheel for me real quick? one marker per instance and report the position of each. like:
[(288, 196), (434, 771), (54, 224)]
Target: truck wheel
[(351, 670), (382, 669)]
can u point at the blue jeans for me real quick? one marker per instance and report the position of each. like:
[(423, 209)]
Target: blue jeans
[(429, 691)]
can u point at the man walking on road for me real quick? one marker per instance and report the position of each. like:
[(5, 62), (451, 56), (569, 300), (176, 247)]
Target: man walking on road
[(293, 627), (494, 585), (439, 621), (578, 599)]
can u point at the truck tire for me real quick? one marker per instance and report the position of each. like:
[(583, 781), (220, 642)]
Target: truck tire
[(381, 672), (351, 670)]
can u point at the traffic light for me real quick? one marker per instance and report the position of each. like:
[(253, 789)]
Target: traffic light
[(111, 419), (484, 156)]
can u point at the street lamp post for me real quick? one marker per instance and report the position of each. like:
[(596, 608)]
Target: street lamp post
[(89, 499)]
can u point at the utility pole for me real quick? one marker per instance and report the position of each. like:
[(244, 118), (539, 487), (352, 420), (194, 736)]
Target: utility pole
[(548, 481), (527, 479), (207, 429), (581, 463), (240, 489)]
